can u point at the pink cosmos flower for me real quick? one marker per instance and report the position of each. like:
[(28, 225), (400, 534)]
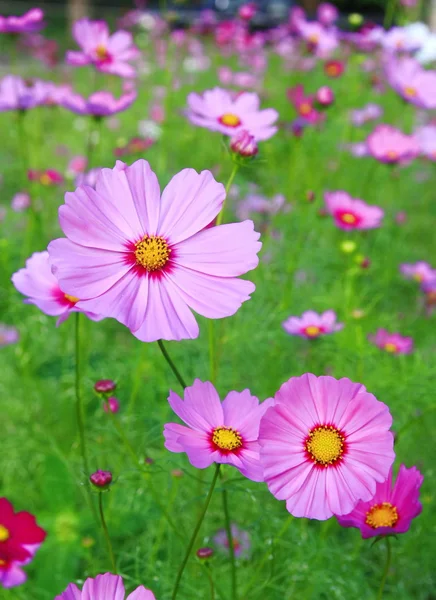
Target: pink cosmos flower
[(253, 203), (391, 509), (351, 213), (145, 259), (20, 202), (99, 104), (47, 177), (20, 94), (37, 282), (77, 165), (397, 40), (303, 104), (109, 53), (394, 343), (420, 271), (389, 145), (41, 48), (323, 41), (88, 178), (8, 335), (426, 137), (218, 110), (31, 21), (240, 539), (370, 112), (54, 93), (224, 433), (312, 325), (324, 445), (413, 83), (104, 587), (327, 13)]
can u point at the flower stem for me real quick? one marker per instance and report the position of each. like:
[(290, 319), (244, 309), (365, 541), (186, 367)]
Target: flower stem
[(386, 569), (195, 533), (229, 183), (228, 528), (106, 532), (79, 404), (211, 583), (171, 363)]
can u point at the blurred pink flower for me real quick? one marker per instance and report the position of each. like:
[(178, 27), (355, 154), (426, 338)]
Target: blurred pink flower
[(426, 136), (108, 53), (218, 432), (46, 177), (20, 202), (370, 112), (391, 509), (104, 587), (32, 20), (77, 165), (145, 258), (312, 325), (413, 83), (303, 104), (254, 203), (99, 104), (247, 11), (352, 213), (88, 177), (327, 13), (420, 271), (393, 343), (111, 404), (240, 539), (323, 41), (389, 145), (244, 144), (21, 94), (8, 335)]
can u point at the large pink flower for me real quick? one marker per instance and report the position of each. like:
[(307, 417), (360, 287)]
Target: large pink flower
[(219, 110), (217, 432), (351, 213), (390, 145), (41, 287), (324, 445), (104, 587), (145, 259), (311, 325), (391, 509), (109, 53)]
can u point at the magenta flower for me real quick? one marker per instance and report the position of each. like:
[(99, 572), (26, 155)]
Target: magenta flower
[(99, 104), (303, 104), (312, 325), (240, 539), (420, 271), (324, 445), (389, 145), (413, 83), (394, 343), (391, 509), (426, 137), (244, 144), (37, 282), (21, 94), (145, 259), (108, 53), (104, 587), (218, 110), (351, 213), (31, 21), (46, 177), (224, 433), (8, 335)]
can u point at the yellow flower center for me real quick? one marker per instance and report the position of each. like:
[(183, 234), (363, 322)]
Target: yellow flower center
[(313, 38), (4, 533), (325, 444), (390, 347), (382, 515), (392, 154), (332, 70), (152, 252), (230, 120), (410, 91), (101, 52), (2, 562), (348, 218), (226, 438), (45, 179), (72, 299), (417, 277), (305, 108), (312, 331)]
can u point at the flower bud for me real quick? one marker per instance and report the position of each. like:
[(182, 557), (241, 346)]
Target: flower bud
[(204, 553), (111, 404), (324, 97), (105, 386), (310, 196), (244, 144), (101, 479)]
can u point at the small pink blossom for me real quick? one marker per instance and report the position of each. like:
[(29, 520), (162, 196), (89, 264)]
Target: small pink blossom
[(394, 343), (327, 13), (104, 587), (420, 271), (31, 21), (99, 104), (389, 145), (323, 41), (312, 325), (254, 203), (218, 432), (324, 96), (21, 94), (247, 11), (303, 104), (352, 213), (426, 137), (8, 335), (77, 165), (46, 177), (112, 404), (20, 202), (413, 83), (240, 539)]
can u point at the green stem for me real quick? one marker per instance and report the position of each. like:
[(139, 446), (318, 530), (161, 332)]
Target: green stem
[(389, 14), (386, 569), (213, 367), (106, 532), (210, 578), (79, 403), (228, 528), (195, 533), (171, 364), (229, 183)]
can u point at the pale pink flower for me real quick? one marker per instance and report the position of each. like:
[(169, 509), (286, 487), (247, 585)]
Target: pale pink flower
[(351, 213), (323, 41), (325, 444), (109, 53), (77, 165), (421, 271), (389, 145), (20, 202), (327, 13), (312, 325), (8, 335), (391, 509), (104, 587), (17, 93), (218, 110), (240, 539), (31, 21), (394, 343), (254, 203), (426, 137), (99, 104), (218, 432), (145, 259), (413, 83)]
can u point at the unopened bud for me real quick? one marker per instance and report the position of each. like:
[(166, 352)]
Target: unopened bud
[(244, 144), (310, 195), (105, 386), (204, 553), (101, 479), (111, 404), (324, 97)]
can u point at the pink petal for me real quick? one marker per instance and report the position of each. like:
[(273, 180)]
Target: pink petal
[(103, 587), (141, 593), (71, 593), (201, 408)]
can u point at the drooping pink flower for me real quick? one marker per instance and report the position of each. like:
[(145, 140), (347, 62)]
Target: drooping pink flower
[(327, 13), (391, 509), (47, 177), (240, 539), (99, 104), (41, 288), (352, 213), (324, 445), (145, 259), (8, 335), (426, 137), (413, 83), (20, 538), (218, 432), (104, 587), (244, 144), (31, 21), (21, 94), (312, 325), (389, 145), (108, 53), (421, 271), (394, 343), (303, 104), (218, 110)]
